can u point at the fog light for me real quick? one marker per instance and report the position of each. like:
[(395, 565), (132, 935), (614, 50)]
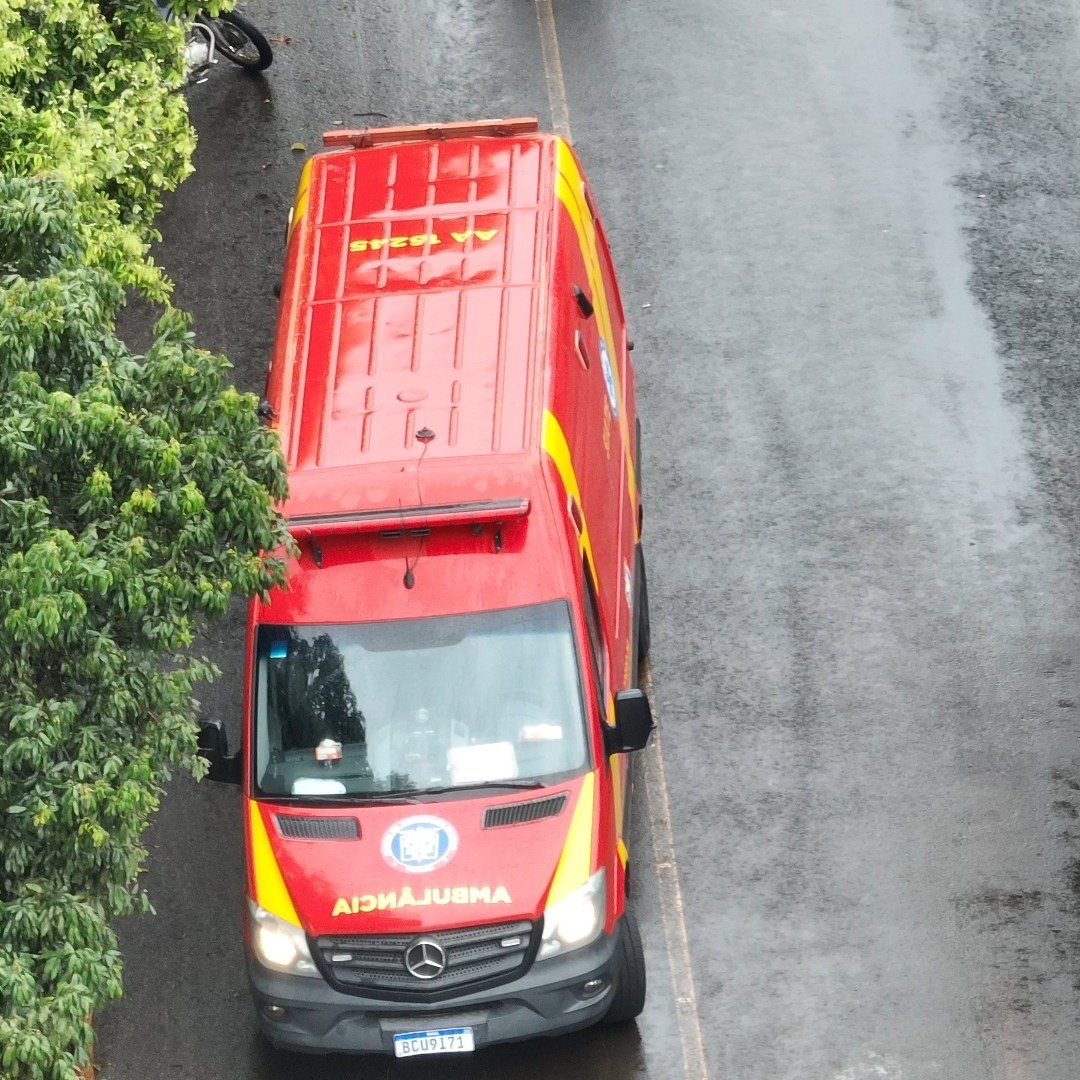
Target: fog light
[(593, 986), (275, 1012)]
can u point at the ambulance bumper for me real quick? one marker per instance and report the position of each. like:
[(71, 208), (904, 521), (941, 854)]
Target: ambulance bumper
[(308, 1015)]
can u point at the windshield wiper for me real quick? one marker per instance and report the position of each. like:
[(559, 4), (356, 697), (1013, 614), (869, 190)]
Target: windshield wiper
[(396, 795), (352, 798), (403, 795), (478, 786)]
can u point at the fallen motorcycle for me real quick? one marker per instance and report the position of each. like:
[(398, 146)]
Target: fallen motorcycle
[(230, 34), (238, 40)]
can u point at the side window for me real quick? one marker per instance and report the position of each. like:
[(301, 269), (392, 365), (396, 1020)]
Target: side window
[(596, 642)]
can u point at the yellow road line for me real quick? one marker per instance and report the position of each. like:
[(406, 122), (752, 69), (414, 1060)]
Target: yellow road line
[(674, 917), (549, 43)]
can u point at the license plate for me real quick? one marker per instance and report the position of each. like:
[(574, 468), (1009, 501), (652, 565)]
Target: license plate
[(443, 1041)]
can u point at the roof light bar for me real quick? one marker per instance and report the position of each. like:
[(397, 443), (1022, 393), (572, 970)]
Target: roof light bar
[(463, 129), (409, 517)]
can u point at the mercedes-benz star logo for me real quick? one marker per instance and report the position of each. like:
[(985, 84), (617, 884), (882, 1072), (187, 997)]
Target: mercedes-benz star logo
[(425, 958)]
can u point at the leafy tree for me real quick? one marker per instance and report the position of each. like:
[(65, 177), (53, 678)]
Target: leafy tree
[(136, 498), (87, 91)]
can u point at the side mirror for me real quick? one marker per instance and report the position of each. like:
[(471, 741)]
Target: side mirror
[(214, 746), (633, 723)]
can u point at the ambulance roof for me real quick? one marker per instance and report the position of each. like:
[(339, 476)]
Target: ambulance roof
[(417, 302)]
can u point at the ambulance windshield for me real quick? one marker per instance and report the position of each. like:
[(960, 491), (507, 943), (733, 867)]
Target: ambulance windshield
[(417, 704)]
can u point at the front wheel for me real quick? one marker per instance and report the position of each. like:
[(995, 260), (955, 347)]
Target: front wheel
[(240, 41), (629, 997)]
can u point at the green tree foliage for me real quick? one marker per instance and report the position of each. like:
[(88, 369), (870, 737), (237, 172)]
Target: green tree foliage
[(135, 498), (87, 91)]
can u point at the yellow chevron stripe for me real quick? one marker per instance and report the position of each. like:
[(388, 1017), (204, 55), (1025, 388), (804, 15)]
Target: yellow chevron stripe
[(300, 203), (553, 440), (270, 890), (557, 448), (575, 863), (569, 187)]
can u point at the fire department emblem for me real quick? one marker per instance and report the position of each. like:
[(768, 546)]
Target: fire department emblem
[(419, 844)]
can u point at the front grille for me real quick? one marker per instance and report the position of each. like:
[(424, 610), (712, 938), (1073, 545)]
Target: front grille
[(296, 827), (475, 955), (520, 812)]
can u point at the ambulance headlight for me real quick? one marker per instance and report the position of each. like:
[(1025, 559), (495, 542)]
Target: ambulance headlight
[(576, 920), (278, 944)]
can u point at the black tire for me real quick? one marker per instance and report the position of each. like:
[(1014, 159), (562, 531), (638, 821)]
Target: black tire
[(629, 997), (644, 630), (241, 41)]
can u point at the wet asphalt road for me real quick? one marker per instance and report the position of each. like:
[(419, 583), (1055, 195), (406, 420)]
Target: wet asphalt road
[(848, 234)]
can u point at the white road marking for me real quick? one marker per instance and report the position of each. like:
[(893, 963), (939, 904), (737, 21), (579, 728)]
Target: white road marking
[(656, 791), (674, 918), (549, 43)]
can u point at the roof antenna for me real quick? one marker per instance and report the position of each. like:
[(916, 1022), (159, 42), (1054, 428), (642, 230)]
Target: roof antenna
[(410, 579), (424, 436)]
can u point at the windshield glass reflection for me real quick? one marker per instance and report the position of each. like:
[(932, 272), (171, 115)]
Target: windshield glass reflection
[(415, 704)]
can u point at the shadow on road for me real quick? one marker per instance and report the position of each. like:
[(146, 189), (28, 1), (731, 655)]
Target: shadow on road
[(599, 1052)]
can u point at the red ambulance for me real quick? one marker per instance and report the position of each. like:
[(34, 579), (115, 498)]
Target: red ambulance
[(440, 703)]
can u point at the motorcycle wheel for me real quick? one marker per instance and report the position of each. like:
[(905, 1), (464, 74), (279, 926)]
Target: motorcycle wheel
[(241, 41)]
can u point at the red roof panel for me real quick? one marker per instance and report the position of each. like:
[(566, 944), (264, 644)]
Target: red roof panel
[(423, 303)]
